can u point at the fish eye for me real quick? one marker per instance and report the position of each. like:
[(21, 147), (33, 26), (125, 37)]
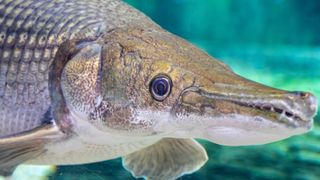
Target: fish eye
[(160, 87)]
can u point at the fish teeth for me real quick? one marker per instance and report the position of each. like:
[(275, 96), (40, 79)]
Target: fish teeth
[(283, 115)]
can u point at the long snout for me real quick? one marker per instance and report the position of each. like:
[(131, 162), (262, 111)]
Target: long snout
[(242, 108)]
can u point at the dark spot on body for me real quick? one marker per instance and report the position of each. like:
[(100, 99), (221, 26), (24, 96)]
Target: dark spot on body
[(289, 114), (278, 110), (267, 108)]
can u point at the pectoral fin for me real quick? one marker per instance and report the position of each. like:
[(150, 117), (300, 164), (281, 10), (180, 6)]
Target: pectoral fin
[(167, 159), (17, 149)]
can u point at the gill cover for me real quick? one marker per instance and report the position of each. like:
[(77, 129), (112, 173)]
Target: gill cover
[(90, 89)]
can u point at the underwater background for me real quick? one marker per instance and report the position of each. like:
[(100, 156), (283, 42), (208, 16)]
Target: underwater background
[(274, 42)]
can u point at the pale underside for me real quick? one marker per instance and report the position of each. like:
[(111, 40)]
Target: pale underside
[(76, 151), (90, 145)]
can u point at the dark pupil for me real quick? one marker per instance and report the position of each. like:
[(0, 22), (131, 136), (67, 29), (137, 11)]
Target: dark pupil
[(160, 87)]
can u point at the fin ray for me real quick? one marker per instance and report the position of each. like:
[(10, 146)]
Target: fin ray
[(19, 148), (169, 158)]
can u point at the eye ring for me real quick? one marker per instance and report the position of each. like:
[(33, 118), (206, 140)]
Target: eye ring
[(160, 87)]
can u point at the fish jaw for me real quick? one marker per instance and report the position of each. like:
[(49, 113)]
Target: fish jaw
[(248, 117), (250, 133)]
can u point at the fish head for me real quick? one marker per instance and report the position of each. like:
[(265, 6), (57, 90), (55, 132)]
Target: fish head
[(152, 83)]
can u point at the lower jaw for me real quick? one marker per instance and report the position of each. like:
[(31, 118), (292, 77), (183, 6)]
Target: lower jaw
[(230, 136), (240, 130)]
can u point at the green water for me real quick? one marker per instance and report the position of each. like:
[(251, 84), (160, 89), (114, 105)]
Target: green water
[(275, 42)]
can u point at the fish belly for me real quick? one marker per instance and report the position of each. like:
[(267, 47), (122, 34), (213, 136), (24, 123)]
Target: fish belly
[(77, 151)]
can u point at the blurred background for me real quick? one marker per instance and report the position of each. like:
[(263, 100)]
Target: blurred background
[(274, 42)]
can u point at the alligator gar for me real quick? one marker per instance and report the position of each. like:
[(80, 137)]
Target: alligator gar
[(85, 81)]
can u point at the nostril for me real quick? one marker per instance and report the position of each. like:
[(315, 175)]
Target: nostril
[(301, 94), (310, 99)]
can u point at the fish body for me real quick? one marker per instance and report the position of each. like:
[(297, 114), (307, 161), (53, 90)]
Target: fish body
[(85, 81)]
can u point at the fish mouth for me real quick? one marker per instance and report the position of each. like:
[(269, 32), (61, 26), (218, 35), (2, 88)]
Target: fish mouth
[(245, 119), (285, 109), (285, 116)]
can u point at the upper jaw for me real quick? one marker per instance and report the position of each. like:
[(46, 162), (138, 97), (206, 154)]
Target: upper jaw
[(285, 108), (280, 114)]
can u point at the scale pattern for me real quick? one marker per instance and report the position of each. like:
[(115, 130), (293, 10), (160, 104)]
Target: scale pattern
[(30, 34)]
